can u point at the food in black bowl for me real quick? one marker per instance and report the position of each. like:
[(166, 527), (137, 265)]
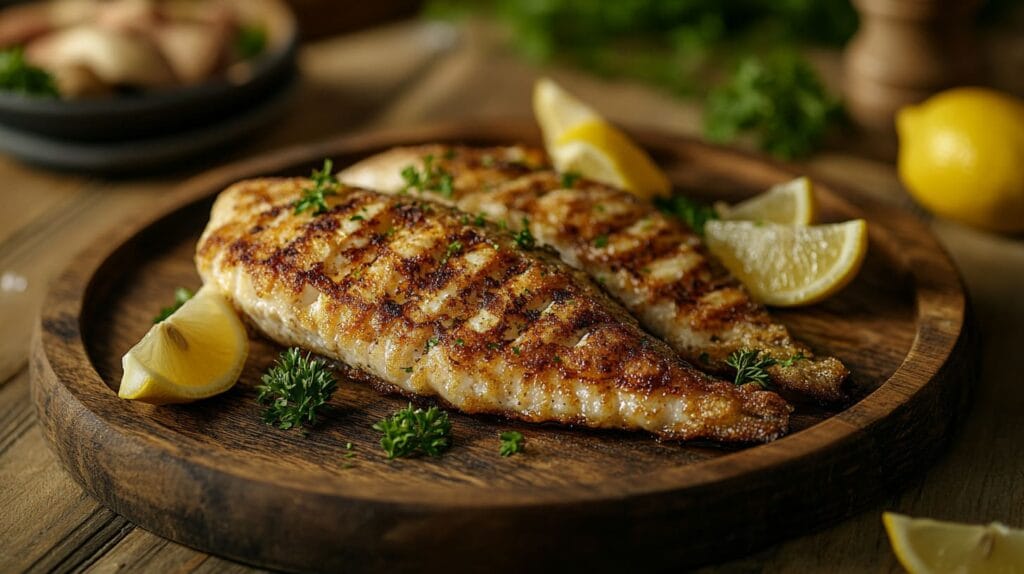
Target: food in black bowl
[(116, 70)]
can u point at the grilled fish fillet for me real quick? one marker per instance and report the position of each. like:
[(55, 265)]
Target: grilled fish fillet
[(407, 292), (651, 263)]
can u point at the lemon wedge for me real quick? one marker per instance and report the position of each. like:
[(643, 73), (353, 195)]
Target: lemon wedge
[(926, 546), (579, 140), (195, 353), (789, 265), (558, 111), (790, 203)]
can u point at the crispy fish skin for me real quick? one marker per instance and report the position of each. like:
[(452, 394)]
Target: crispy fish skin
[(653, 264), (405, 291)]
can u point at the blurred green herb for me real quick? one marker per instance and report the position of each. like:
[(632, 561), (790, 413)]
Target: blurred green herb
[(694, 214), (251, 41), (778, 99), (411, 431), (294, 389), (511, 443), (430, 178), (324, 183), (523, 238), (17, 75), (666, 42), (181, 295)]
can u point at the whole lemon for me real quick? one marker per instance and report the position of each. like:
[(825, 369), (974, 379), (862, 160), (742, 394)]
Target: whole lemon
[(961, 156)]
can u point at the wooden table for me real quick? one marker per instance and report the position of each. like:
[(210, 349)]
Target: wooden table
[(411, 73)]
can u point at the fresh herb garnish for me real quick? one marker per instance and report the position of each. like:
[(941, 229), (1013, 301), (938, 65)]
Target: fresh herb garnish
[(601, 241), (251, 41), (694, 214), (511, 443), (453, 249), (786, 363), (356, 217), (778, 99), (17, 75), (294, 389), (480, 220), (324, 183), (523, 238), (569, 179), (411, 431), (181, 295), (407, 369), (751, 367), (431, 178), (431, 343)]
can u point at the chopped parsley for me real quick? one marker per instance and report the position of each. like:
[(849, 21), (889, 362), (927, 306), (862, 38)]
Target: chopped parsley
[(569, 179), (601, 241), (430, 178), (415, 431), (511, 443), (523, 238), (694, 214), (325, 183), (294, 389)]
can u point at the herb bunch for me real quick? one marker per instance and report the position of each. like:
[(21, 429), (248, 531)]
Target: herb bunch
[(325, 183), (778, 99), (17, 75), (294, 389), (181, 295), (415, 431)]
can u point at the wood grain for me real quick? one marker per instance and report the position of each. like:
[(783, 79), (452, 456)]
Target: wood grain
[(212, 476)]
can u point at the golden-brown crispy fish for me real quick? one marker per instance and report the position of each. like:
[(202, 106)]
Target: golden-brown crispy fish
[(410, 293), (650, 262)]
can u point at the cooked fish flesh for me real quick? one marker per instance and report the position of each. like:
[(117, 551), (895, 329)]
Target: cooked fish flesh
[(430, 304), (652, 263)]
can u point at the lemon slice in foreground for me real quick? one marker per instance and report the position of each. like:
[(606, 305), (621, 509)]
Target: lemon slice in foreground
[(926, 546), (789, 265), (790, 203), (599, 151), (579, 140), (195, 353)]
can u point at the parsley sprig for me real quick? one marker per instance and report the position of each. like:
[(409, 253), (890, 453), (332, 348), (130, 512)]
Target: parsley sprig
[(325, 183), (413, 431), (778, 99), (431, 178), (294, 389), (181, 295), (511, 443), (523, 238)]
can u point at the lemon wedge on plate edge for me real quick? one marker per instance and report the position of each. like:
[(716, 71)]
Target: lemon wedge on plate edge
[(790, 203), (195, 353), (925, 546), (789, 265), (579, 140)]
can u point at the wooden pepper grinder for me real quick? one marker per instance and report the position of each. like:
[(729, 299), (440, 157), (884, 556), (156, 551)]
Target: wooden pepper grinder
[(904, 51)]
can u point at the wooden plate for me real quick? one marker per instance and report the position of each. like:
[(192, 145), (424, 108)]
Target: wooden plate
[(212, 476)]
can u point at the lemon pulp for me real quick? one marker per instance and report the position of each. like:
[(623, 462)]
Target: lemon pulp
[(925, 546), (579, 140), (790, 203), (195, 353), (788, 265)]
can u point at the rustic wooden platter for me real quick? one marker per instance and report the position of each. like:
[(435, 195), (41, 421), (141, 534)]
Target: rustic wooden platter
[(211, 475)]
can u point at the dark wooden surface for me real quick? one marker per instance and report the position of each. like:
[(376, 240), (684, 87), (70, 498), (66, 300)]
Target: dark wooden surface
[(213, 476)]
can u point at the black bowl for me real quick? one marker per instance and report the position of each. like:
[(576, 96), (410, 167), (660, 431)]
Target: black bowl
[(160, 112)]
